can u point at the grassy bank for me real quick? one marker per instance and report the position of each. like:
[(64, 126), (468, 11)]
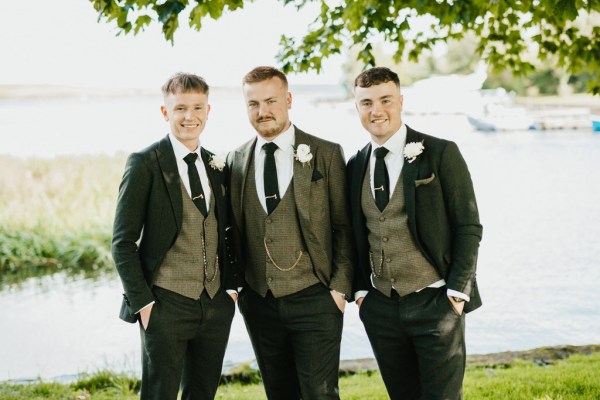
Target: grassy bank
[(56, 214), (574, 378)]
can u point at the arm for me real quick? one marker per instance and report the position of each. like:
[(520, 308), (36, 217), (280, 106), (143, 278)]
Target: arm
[(463, 217), (129, 222), (343, 246)]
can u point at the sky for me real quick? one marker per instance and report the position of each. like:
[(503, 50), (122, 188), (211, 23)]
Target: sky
[(61, 42)]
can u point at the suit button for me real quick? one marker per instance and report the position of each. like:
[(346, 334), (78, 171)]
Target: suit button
[(384, 239), (268, 220), (269, 241), (388, 260), (392, 280), (382, 218), (269, 280)]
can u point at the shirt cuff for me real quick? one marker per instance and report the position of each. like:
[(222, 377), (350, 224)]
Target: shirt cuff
[(146, 306), (454, 293), (359, 294)]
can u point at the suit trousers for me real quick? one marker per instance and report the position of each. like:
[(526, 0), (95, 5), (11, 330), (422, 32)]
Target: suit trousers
[(184, 345), (296, 340), (418, 341)]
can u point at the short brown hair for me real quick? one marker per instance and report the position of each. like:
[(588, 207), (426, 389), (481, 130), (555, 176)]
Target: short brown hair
[(264, 73), (183, 82), (376, 76)]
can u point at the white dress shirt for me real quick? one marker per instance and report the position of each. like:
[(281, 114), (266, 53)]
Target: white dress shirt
[(284, 159)]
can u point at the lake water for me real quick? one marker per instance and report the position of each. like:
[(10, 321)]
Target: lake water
[(538, 194)]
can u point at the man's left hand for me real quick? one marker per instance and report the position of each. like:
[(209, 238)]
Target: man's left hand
[(458, 306), (339, 300)]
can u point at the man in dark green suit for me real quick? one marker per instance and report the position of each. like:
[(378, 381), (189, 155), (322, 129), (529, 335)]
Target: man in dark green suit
[(417, 234), (173, 200)]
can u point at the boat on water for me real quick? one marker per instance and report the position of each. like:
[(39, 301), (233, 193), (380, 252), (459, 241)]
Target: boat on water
[(596, 123), (496, 118)]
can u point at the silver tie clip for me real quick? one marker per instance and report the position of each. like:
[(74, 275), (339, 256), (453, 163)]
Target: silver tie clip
[(271, 197), (380, 188)]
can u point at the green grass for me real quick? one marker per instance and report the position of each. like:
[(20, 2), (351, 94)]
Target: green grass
[(575, 378), (56, 214)]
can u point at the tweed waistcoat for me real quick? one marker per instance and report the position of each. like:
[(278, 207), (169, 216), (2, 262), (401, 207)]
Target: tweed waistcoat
[(276, 255), (396, 262), (188, 269)]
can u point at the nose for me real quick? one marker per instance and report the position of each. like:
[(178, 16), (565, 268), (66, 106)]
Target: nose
[(376, 108), (263, 109)]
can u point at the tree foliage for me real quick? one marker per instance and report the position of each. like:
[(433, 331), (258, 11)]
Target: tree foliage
[(509, 32)]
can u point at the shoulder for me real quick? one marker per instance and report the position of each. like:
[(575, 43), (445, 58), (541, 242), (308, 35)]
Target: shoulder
[(323, 144), (432, 144)]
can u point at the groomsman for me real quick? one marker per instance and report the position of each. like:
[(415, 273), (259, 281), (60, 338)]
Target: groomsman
[(417, 233), (292, 239), (169, 249)]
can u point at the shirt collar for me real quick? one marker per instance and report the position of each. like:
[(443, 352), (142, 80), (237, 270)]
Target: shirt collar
[(179, 148), (284, 141), (395, 144)]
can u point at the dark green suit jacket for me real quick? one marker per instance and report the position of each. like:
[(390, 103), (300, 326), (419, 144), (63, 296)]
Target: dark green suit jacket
[(442, 213), (150, 206)]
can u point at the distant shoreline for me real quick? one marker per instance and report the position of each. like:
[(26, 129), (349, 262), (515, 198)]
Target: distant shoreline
[(42, 91), (539, 356)]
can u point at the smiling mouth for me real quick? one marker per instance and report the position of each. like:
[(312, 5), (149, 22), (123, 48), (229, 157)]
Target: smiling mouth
[(190, 125), (378, 121), (265, 120)]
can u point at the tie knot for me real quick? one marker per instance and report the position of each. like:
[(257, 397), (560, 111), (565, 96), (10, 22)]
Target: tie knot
[(381, 152), (190, 158), (269, 148)]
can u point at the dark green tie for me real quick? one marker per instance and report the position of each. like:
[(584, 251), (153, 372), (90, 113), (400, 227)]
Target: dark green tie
[(195, 184), (270, 177), (381, 179)]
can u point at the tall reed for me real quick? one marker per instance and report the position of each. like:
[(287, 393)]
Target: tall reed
[(56, 214)]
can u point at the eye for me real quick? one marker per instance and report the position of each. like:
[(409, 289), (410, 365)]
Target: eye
[(386, 101)]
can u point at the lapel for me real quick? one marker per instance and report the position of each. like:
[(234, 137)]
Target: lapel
[(409, 175), (240, 166), (302, 178), (215, 178), (168, 166), (359, 170)]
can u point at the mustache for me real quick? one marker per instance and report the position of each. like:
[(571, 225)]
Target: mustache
[(261, 119)]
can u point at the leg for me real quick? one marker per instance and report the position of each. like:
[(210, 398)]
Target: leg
[(163, 350), (392, 345), (315, 323), (440, 347), (205, 351), (271, 344)]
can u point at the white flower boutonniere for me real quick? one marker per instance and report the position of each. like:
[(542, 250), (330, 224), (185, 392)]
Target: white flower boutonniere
[(412, 150), (217, 162), (302, 153)]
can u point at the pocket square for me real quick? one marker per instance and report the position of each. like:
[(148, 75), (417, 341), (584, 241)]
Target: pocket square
[(421, 182), (316, 175)]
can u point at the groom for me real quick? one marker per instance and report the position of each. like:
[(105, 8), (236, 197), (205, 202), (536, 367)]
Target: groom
[(417, 234)]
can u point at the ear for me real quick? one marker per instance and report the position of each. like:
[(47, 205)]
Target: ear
[(164, 112), (288, 99), (207, 110)]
